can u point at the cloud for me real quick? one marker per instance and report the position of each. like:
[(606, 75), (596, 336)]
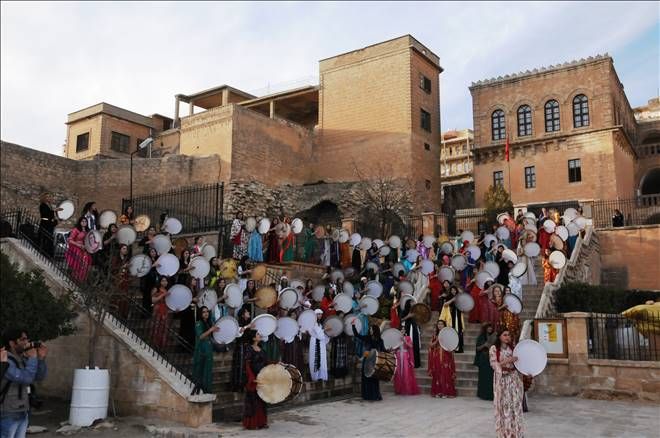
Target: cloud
[(60, 57)]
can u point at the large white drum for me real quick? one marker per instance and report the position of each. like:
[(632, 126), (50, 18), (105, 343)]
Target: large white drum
[(406, 287), (503, 233), (208, 298), (89, 399), (348, 288), (161, 243), (287, 329), (365, 243), (483, 277), (371, 266), (458, 262), (532, 249), (405, 298), (233, 295), (428, 241), (411, 255), (398, 267), (549, 226), (448, 338), (139, 265), (229, 330), (519, 268), (488, 238), (297, 226), (307, 320), (467, 235), (348, 324), (126, 235), (264, 225), (474, 251), (562, 232), (334, 326), (513, 303), (447, 248), (392, 338), (343, 303), (250, 224), (446, 273), (427, 267), (492, 268), (464, 302), (318, 292), (168, 265), (374, 289), (394, 242), (172, 225), (355, 239), (337, 276), (288, 298), (209, 251), (107, 218), (67, 211), (368, 305), (557, 259), (265, 324), (510, 256), (384, 251), (569, 215), (344, 236), (179, 298), (532, 357), (200, 267)]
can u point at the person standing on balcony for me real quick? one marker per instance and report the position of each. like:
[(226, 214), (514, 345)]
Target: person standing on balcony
[(617, 218), (47, 224)]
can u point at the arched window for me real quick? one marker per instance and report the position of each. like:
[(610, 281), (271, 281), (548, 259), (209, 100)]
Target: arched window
[(551, 116), (524, 121), (580, 111), (497, 122)]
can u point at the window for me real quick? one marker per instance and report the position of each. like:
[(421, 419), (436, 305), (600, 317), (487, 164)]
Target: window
[(580, 111), (427, 146), (524, 121), (551, 116), (425, 83), (119, 142), (574, 171), (498, 178), (82, 142), (460, 167), (426, 121), (428, 184), (464, 149), (497, 121), (530, 177)]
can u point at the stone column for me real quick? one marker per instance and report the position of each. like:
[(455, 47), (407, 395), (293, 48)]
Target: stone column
[(192, 108), (348, 223), (177, 99), (576, 337), (225, 97), (272, 109)]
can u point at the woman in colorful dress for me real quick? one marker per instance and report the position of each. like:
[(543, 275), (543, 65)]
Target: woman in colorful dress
[(405, 382), (76, 256), (254, 408), (509, 319), (239, 237), (549, 273), (482, 361), (441, 367), (507, 388), (487, 307), (370, 386), (160, 322), (203, 356)]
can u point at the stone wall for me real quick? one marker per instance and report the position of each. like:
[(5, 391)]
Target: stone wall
[(630, 257), (596, 378), (140, 384)]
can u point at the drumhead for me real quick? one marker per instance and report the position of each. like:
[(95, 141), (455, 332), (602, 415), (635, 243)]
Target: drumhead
[(208, 298), (398, 267), (573, 229), (355, 239), (503, 233), (228, 268), (348, 288), (519, 268), (168, 265), (297, 225), (406, 287), (394, 242), (348, 324), (427, 267), (288, 298), (464, 302), (201, 267), (307, 320), (208, 251), (467, 235), (172, 225), (404, 299), (368, 305), (139, 265), (333, 326), (557, 259), (161, 243), (489, 238), (264, 225), (107, 218), (502, 217), (549, 226), (274, 383), (411, 255), (142, 223), (258, 272), (93, 241), (474, 251), (532, 357), (448, 338), (371, 266), (428, 241), (532, 249), (343, 303), (569, 215), (318, 292), (68, 208), (458, 262), (228, 330), (337, 276), (482, 277), (562, 232), (581, 222), (446, 273), (365, 243), (250, 224), (126, 234), (287, 329), (392, 338), (233, 295), (492, 268), (344, 236), (447, 248), (421, 312), (374, 289), (513, 303), (510, 256), (179, 298), (384, 251), (265, 324)]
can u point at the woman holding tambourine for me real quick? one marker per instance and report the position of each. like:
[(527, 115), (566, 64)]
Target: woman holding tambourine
[(507, 387)]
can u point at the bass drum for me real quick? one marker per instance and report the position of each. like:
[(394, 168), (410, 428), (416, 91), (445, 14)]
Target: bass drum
[(380, 365), (277, 383)]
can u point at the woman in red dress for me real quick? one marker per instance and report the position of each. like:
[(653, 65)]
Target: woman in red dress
[(441, 367), (76, 255), (436, 290), (254, 408), (161, 314), (405, 382)]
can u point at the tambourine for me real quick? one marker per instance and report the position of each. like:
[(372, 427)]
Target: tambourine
[(233, 295), (447, 248), (142, 223), (126, 235), (428, 241), (398, 267), (503, 217), (384, 251), (343, 303), (172, 225), (179, 298), (107, 218), (265, 324), (569, 215), (180, 245), (411, 255), (168, 265), (510, 256), (368, 305), (448, 339), (337, 276), (488, 238), (200, 267), (335, 235), (139, 265), (229, 330), (258, 272), (93, 241), (228, 268), (371, 266), (549, 226), (379, 243), (333, 326), (392, 338), (68, 208), (562, 232), (287, 329)]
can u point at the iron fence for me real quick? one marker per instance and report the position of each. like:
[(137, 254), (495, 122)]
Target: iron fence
[(472, 219), (560, 206), (199, 208), (613, 336), (643, 210)]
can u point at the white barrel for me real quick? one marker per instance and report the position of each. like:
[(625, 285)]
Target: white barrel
[(89, 399)]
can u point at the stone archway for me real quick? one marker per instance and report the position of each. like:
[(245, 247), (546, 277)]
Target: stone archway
[(650, 183), (324, 213)]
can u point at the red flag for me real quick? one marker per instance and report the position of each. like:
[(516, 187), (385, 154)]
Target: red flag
[(506, 148)]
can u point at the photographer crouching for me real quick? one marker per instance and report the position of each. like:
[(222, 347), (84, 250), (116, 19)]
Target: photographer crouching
[(26, 364)]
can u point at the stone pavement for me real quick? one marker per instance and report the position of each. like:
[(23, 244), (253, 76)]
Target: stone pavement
[(419, 416)]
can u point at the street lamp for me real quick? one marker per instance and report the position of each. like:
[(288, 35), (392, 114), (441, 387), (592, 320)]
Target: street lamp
[(148, 142)]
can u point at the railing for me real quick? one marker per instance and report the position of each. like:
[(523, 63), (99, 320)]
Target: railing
[(616, 337), (94, 276), (411, 227), (199, 208), (644, 210), (471, 219), (560, 206)]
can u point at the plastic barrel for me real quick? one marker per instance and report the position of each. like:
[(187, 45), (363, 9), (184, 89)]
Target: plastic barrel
[(89, 399)]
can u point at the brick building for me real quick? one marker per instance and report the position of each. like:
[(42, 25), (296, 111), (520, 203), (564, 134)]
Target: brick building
[(572, 133), (375, 110)]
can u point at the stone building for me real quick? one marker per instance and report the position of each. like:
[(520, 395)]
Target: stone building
[(572, 133), (375, 111), (456, 166)]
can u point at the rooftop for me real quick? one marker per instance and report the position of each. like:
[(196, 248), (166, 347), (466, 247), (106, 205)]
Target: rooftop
[(115, 111)]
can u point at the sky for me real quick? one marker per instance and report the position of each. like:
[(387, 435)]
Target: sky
[(59, 57)]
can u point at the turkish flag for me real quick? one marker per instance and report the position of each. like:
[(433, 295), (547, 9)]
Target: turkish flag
[(506, 148)]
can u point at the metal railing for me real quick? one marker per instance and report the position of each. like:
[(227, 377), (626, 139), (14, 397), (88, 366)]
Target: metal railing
[(92, 275), (199, 208), (643, 210), (613, 336)]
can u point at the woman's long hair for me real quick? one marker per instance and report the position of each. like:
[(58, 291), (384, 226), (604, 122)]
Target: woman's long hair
[(207, 323), (79, 224), (498, 341)]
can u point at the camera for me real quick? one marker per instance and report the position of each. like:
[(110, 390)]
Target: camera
[(35, 344)]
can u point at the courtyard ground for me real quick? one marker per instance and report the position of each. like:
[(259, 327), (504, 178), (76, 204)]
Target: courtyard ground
[(417, 416)]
